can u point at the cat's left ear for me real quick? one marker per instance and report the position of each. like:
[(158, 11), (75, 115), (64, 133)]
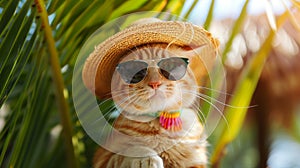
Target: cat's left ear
[(201, 54)]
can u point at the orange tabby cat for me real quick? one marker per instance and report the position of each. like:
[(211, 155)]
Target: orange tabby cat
[(150, 80), (153, 71)]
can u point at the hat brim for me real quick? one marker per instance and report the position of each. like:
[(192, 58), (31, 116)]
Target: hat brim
[(101, 63)]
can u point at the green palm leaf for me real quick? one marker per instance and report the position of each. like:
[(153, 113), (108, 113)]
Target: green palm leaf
[(29, 85), (41, 128)]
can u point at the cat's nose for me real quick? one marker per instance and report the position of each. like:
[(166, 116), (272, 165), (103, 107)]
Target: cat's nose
[(155, 84)]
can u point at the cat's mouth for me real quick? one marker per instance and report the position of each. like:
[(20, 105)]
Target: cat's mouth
[(156, 94)]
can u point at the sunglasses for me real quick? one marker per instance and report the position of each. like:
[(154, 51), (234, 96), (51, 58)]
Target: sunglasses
[(134, 71)]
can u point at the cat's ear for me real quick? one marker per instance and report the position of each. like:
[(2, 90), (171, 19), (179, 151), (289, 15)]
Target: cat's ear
[(203, 54)]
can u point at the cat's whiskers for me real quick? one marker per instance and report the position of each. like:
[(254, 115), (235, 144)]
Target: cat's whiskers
[(199, 95), (124, 101), (209, 102), (215, 99), (120, 122), (114, 91), (199, 113), (121, 91), (128, 100), (104, 127), (109, 112), (195, 107), (99, 106), (142, 92), (227, 105), (109, 108), (210, 89)]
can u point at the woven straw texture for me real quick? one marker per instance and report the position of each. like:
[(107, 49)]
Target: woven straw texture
[(100, 65)]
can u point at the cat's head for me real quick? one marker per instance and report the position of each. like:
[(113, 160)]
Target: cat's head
[(157, 77), (151, 45)]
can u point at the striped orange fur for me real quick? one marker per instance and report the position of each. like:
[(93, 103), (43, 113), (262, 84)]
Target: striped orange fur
[(181, 148)]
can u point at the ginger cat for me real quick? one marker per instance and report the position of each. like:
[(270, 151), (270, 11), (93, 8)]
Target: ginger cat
[(157, 94)]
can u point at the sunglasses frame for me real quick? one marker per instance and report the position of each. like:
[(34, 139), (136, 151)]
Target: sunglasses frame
[(186, 60)]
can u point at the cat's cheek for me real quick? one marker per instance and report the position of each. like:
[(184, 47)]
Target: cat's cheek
[(191, 99), (188, 95)]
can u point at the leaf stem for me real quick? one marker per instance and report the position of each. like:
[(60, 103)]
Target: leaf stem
[(191, 9), (209, 16), (59, 84), (235, 30)]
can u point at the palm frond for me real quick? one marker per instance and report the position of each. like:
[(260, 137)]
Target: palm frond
[(33, 135), (36, 75)]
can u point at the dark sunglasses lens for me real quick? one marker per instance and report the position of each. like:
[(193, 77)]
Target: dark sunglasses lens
[(132, 71), (173, 68)]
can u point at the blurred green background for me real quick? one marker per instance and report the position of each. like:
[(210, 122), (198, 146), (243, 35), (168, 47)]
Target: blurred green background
[(40, 42)]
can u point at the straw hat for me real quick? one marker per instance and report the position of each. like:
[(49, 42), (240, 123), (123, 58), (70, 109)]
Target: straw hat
[(101, 63)]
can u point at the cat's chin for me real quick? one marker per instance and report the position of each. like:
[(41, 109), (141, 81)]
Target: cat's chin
[(156, 94), (140, 118)]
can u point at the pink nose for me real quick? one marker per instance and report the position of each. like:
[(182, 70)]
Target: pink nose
[(155, 84)]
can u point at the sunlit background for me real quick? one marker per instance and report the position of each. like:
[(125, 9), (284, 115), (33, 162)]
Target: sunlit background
[(31, 121), (284, 147)]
